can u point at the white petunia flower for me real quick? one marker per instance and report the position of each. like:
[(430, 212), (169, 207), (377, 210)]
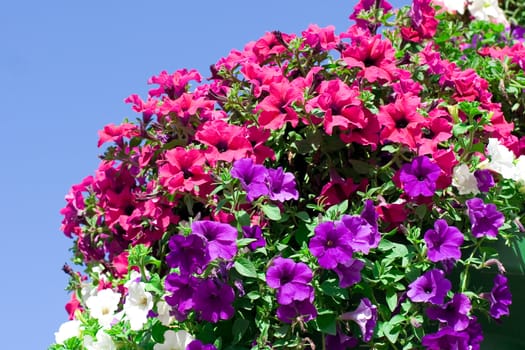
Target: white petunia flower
[(137, 305), (501, 159), (487, 10), (67, 330), (464, 180), (163, 310), (452, 6), (174, 340), (103, 305), (103, 342)]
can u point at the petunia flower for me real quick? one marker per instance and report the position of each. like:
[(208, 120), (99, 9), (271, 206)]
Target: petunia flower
[(103, 305), (174, 340), (189, 253), (291, 280), (500, 297), (281, 185), (431, 287), (137, 305), (443, 242), (213, 300), (68, 329), (464, 180), (454, 313), (485, 219), (331, 244), (221, 238), (419, 177), (484, 179), (365, 316), (103, 342), (252, 177)]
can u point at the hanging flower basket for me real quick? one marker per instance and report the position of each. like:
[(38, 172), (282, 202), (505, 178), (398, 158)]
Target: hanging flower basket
[(320, 191)]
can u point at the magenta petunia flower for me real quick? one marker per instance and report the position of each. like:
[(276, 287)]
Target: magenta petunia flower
[(331, 244), (365, 316), (431, 287), (291, 280), (213, 300), (484, 218), (419, 177), (443, 242), (454, 313), (222, 238), (281, 185), (500, 297)]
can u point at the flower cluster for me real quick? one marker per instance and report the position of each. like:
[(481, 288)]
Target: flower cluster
[(322, 190)]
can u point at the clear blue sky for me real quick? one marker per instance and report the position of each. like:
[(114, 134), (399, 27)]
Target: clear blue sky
[(65, 68)]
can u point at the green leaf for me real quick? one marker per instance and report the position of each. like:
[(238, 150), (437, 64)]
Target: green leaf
[(271, 211), (239, 328), (391, 299), (245, 268), (326, 323)]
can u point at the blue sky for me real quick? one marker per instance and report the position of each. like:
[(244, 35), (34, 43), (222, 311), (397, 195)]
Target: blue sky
[(66, 67)]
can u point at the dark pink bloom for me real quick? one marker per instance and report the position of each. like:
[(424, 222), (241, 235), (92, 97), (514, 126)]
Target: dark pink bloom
[(436, 129), (116, 133), (443, 242), (173, 85), (272, 43), (367, 5), (337, 189), (277, 108), (431, 287), (423, 22), (225, 141), (321, 38)]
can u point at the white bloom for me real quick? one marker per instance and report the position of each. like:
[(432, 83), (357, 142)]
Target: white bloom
[(104, 342), (163, 310), (452, 6), (520, 170), (103, 305), (174, 340), (134, 277), (501, 159), (67, 330), (487, 10), (464, 180), (137, 305)]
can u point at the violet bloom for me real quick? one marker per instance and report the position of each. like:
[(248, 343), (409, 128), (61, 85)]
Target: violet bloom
[(213, 300), (281, 185), (419, 177), (182, 289), (443, 242), (431, 287), (252, 177), (254, 232), (484, 218), (290, 279), (454, 313), (363, 236), (446, 339), (303, 309), (349, 273), (222, 238), (189, 253), (365, 316), (500, 297), (370, 214), (198, 345), (331, 244), (340, 341), (484, 179)]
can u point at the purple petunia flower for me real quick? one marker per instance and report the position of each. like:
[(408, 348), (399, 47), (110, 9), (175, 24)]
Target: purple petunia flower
[(443, 242), (252, 177), (290, 279), (484, 179), (222, 238), (349, 273), (419, 177), (213, 300), (454, 313), (365, 316), (198, 345), (500, 297), (281, 185), (182, 289), (254, 232), (331, 244), (189, 253), (484, 218), (446, 339), (370, 214), (340, 341), (363, 236), (303, 309), (431, 287)]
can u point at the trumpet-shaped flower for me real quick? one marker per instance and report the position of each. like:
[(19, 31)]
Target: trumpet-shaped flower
[(103, 342), (103, 305), (174, 340), (137, 305), (431, 287), (68, 330), (365, 316)]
